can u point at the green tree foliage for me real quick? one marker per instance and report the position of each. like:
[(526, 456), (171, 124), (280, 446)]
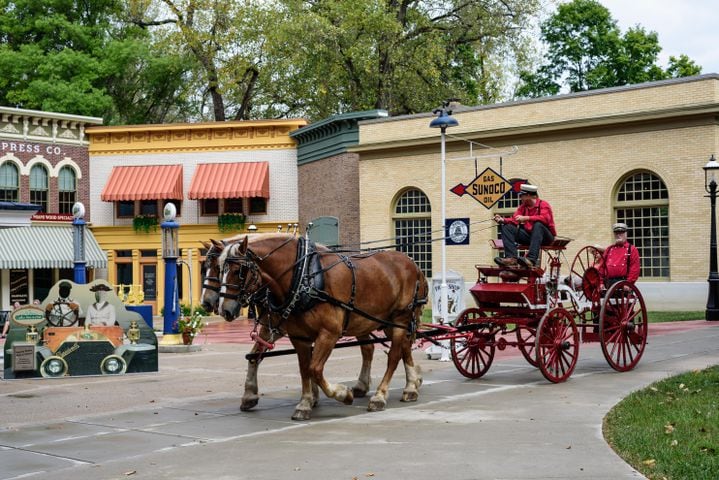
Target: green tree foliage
[(315, 58), (586, 50), (74, 56)]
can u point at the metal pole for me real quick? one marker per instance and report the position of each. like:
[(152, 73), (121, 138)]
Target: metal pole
[(712, 312), (444, 311), (171, 311), (78, 233)]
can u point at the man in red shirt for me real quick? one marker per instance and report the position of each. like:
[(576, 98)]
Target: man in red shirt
[(621, 259), (532, 223)]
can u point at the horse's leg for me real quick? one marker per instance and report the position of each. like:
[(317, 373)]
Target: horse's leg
[(363, 381), (396, 352), (251, 397), (303, 409), (412, 374), (324, 344)]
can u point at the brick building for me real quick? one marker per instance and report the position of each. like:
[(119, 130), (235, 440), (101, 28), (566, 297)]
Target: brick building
[(213, 172), (43, 171), (328, 177), (632, 154)]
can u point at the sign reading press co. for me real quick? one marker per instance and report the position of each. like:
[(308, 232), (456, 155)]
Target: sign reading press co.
[(22, 147), (27, 315)]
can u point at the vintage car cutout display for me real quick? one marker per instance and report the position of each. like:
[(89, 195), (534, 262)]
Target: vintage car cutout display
[(78, 330)]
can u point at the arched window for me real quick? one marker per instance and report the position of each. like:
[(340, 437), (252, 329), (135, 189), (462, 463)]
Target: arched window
[(642, 202), (67, 188), (38, 187), (413, 228), (9, 186)]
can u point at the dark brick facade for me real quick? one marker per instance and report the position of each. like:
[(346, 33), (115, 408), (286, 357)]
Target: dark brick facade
[(330, 187), (54, 154)]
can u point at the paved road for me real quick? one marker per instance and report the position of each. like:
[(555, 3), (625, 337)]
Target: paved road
[(185, 422)]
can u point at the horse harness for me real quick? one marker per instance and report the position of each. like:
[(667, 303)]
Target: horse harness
[(307, 288)]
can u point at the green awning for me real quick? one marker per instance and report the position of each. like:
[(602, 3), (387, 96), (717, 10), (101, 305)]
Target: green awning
[(46, 247)]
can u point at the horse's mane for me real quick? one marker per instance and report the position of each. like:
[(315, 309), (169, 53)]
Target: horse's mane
[(251, 237)]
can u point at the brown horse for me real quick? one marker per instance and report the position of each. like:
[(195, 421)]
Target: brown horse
[(362, 293), (210, 300)]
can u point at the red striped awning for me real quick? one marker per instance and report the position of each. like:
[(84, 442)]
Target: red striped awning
[(146, 182), (231, 180)]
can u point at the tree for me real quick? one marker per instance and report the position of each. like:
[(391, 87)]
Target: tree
[(586, 50), (74, 56), (315, 58)]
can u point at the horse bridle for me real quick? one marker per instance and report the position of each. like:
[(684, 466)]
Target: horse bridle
[(210, 255), (249, 279)]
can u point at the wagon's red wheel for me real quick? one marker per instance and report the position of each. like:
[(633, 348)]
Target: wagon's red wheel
[(557, 345), (623, 326), (472, 353), (527, 342), (584, 275)]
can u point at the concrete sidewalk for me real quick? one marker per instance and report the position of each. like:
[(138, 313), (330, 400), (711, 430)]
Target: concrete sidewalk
[(185, 422)]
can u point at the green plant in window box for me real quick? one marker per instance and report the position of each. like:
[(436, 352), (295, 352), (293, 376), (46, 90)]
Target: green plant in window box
[(144, 223), (228, 222)]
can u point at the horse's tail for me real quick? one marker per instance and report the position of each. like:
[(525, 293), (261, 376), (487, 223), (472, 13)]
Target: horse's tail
[(419, 300)]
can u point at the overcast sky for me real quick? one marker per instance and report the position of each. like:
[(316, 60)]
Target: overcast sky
[(684, 26)]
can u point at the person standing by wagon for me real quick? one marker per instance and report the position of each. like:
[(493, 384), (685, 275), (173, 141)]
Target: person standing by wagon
[(532, 223), (620, 261)]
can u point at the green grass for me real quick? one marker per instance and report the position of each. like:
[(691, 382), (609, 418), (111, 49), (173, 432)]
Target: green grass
[(670, 430), (660, 317)]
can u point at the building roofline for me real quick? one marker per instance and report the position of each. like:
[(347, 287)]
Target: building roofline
[(358, 116), (52, 115), (554, 98), (199, 125)]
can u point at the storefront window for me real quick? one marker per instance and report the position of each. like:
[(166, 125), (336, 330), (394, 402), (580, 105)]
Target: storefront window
[(67, 188), (41, 283), (258, 205), (9, 186), (210, 206), (38, 187)]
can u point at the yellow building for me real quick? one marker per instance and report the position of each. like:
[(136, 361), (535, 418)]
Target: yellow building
[(632, 154), (225, 175)]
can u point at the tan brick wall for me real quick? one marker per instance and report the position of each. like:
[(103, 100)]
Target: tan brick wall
[(577, 172), (589, 107)]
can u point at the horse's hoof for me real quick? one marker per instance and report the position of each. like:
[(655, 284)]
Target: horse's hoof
[(249, 403), (376, 405), (349, 398), (409, 397), (301, 414), (360, 390)]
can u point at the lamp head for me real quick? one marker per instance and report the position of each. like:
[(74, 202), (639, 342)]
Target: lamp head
[(444, 118), (710, 171), (169, 212)]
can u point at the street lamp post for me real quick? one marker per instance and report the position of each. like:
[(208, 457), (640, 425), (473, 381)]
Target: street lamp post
[(443, 121), (170, 252), (78, 243), (710, 185)]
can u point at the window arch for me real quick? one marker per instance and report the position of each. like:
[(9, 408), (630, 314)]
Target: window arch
[(642, 202), (39, 186), (67, 188), (9, 182), (413, 228)]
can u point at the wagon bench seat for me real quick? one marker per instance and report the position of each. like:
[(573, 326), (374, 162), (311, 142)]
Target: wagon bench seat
[(559, 243), (504, 292)]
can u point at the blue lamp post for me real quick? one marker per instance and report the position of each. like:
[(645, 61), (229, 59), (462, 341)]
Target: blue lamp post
[(710, 185), (443, 121), (170, 253), (78, 242)]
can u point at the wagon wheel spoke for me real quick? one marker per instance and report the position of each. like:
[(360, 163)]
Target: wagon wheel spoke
[(557, 345), (473, 352), (623, 327)]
